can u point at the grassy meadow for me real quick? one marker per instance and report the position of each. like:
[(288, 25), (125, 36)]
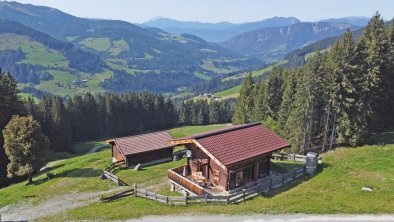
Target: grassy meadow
[(335, 189)]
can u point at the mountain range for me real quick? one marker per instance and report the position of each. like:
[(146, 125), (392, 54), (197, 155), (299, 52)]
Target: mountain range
[(223, 31), (49, 51), (273, 43), (216, 32), (126, 57)]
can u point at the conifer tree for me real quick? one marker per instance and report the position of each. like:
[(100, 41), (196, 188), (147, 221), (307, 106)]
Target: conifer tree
[(243, 112), (289, 91), (261, 108), (10, 104)]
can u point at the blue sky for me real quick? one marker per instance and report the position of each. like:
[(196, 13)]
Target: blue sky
[(238, 11)]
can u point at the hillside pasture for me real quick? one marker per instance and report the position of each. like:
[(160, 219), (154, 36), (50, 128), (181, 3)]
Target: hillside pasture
[(336, 189)]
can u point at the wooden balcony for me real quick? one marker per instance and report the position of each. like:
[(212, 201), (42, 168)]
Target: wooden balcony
[(175, 175)]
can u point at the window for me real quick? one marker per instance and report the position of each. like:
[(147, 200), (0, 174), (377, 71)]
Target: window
[(239, 178)]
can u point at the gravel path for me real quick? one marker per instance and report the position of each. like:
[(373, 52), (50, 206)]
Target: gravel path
[(271, 218)]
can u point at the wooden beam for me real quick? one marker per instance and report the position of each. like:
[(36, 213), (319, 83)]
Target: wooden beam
[(110, 141), (210, 155), (180, 142)]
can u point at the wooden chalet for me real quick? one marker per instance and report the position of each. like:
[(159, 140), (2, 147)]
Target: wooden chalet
[(144, 149), (225, 159)]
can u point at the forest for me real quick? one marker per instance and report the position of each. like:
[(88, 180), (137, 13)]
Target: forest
[(345, 93), (87, 117)]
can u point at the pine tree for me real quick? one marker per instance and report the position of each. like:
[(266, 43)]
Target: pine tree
[(274, 91), (60, 135), (261, 108), (243, 112), (377, 46), (10, 104), (289, 90)]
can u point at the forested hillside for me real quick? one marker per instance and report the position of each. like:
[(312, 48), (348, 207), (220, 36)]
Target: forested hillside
[(217, 32), (348, 88), (104, 55), (271, 44)]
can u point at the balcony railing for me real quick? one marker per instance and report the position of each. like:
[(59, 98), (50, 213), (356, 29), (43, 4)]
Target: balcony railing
[(175, 175)]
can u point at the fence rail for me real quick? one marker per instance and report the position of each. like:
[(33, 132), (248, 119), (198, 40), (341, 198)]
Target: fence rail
[(292, 157), (185, 182), (112, 177), (237, 197)]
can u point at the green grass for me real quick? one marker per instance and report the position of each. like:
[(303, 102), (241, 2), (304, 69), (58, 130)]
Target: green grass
[(189, 130), (73, 175), (202, 76), (335, 189), (234, 92), (229, 93), (24, 97), (82, 148), (118, 46), (256, 73), (98, 44), (209, 66), (36, 53)]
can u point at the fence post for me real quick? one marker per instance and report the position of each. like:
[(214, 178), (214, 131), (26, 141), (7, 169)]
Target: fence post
[(185, 200), (228, 199), (206, 198), (135, 190), (167, 200), (146, 194), (102, 198), (244, 191), (258, 189), (156, 197)]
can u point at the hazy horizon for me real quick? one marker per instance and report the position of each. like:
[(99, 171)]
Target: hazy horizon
[(234, 11)]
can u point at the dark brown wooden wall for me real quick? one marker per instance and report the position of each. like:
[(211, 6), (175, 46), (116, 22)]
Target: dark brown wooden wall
[(149, 156)]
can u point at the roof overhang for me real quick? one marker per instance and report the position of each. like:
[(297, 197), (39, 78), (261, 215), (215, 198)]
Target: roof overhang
[(180, 142)]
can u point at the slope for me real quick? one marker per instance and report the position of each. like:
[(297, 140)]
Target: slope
[(271, 44), (335, 189), (216, 32), (133, 54), (41, 63)]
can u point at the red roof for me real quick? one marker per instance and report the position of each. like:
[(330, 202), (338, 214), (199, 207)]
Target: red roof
[(143, 142), (235, 144)]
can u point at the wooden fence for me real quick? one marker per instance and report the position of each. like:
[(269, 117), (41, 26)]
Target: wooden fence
[(117, 196), (112, 177), (240, 196), (292, 157)]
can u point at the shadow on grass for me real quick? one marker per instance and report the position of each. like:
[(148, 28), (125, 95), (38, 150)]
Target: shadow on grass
[(288, 186), (83, 172), (381, 138)]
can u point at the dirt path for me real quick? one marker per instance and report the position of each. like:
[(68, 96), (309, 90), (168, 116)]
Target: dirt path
[(272, 218), (94, 149), (26, 211)]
